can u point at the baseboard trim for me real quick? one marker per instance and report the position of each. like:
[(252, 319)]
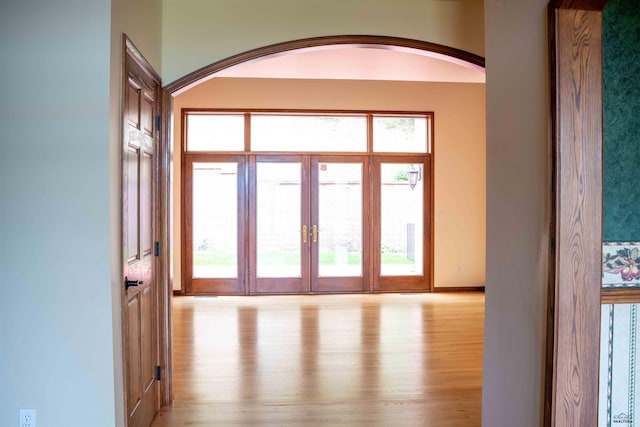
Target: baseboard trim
[(459, 289), (180, 292)]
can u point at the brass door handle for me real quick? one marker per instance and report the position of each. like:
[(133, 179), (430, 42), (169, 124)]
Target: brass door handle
[(315, 233), (304, 234)]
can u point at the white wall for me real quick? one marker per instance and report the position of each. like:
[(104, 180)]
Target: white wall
[(517, 211), (199, 32), (459, 121), (59, 219), (56, 331)]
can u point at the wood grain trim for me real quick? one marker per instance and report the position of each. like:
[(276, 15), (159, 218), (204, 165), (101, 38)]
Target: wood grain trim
[(193, 154), (573, 371), (382, 42), (579, 4), (310, 112), (550, 327), (620, 296), (458, 289), (131, 51), (165, 291), (186, 219), (432, 204)]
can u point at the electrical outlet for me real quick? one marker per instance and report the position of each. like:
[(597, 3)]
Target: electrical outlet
[(27, 418)]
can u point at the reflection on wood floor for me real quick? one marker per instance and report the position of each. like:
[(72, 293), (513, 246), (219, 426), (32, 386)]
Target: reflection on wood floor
[(330, 360)]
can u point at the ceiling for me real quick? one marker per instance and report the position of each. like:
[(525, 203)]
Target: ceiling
[(358, 63)]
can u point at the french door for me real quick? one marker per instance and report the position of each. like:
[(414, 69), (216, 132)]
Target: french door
[(310, 220), (273, 224)]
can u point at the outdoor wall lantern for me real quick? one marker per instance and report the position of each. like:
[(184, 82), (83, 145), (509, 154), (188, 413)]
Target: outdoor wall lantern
[(414, 175)]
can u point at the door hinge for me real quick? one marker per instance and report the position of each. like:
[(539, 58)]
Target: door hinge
[(158, 373), (157, 249), (157, 122)]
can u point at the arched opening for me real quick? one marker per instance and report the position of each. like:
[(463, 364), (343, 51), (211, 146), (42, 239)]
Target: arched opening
[(353, 61), (230, 68), (418, 47)]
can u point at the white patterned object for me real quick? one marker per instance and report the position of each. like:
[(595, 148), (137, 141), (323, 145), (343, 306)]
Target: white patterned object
[(621, 265), (619, 403)]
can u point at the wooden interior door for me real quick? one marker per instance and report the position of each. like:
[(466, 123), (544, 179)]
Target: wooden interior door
[(140, 291)]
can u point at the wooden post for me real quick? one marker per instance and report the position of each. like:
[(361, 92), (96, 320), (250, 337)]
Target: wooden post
[(575, 273)]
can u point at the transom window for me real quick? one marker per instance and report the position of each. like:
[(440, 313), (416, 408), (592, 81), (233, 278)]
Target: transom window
[(318, 132)]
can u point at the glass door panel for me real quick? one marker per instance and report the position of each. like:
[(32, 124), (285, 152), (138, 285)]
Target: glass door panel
[(215, 220), (403, 240), (278, 192), (337, 237), (339, 234), (281, 236), (214, 233), (401, 229)]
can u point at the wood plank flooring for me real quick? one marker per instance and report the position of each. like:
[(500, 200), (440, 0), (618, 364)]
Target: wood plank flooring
[(327, 360)]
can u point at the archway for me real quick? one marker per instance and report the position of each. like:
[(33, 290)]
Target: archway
[(312, 44), (379, 42)]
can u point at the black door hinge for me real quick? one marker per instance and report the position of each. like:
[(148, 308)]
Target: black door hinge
[(157, 122), (157, 249), (158, 373)]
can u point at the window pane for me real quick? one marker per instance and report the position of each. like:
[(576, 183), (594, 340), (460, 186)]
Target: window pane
[(215, 220), (278, 219), (215, 132), (340, 230), (401, 233), (309, 133), (401, 134)]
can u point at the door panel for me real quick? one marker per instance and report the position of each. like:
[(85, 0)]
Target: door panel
[(215, 220), (146, 176), (401, 222), (403, 229), (146, 334), (215, 225), (339, 217), (131, 203), (133, 371), (140, 328), (280, 232)]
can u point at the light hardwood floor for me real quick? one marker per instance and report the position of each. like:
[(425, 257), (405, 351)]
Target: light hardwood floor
[(327, 360)]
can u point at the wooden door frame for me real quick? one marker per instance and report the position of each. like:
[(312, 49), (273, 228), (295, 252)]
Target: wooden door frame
[(371, 204), (161, 230), (575, 256), (187, 225), (316, 281), (305, 215), (411, 283)]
